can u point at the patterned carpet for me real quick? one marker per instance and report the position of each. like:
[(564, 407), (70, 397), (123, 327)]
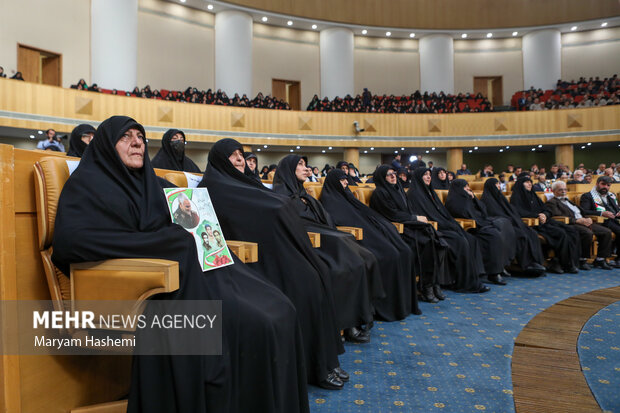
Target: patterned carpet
[(456, 356), (599, 354)]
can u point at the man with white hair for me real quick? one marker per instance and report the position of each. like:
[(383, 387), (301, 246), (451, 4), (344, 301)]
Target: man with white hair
[(578, 176), (560, 205)]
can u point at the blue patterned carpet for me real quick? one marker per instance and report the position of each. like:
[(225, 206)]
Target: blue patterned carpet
[(456, 356), (599, 354)]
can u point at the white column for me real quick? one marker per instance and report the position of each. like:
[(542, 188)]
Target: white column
[(233, 52), (542, 59), (437, 63), (114, 43), (336, 51)]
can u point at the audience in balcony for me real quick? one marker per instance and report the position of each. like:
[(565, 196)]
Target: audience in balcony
[(2, 74)]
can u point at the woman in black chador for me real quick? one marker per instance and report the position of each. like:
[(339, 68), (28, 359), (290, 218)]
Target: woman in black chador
[(81, 136), (262, 366), (249, 211), (529, 253), (251, 167), (562, 238), (172, 153), (429, 250), (382, 239), (356, 279), (440, 179), (463, 260), (495, 235)]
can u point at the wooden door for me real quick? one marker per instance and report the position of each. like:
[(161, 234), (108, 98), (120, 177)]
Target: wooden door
[(39, 66), (278, 89), (50, 69), (294, 95), (490, 87), (29, 63)]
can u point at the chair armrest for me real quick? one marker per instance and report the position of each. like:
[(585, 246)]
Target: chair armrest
[(531, 222), (597, 219), (358, 233), (315, 239), (399, 226), (564, 220), (245, 250), (466, 223), (434, 224)]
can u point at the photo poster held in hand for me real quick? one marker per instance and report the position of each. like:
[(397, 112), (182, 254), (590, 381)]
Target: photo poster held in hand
[(192, 209)]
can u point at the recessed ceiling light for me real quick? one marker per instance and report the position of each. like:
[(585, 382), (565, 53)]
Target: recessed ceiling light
[(507, 147), (428, 151), (464, 36), (388, 34), (540, 146), (264, 19), (147, 141), (314, 26), (31, 136), (589, 143), (40, 132), (470, 151), (515, 33), (323, 151), (372, 149), (365, 151), (299, 147), (364, 31), (475, 148), (258, 150), (210, 7), (432, 149), (489, 35), (289, 23), (395, 151), (412, 35), (291, 150), (572, 29), (501, 150), (583, 147), (533, 149), (604, 24), (402, 149), (182, 1), (330, 148), (265, 146)]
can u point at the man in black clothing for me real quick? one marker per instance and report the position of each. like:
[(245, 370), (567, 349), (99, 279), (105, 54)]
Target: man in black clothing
[(560, 205), (553, 173), (599, 201)]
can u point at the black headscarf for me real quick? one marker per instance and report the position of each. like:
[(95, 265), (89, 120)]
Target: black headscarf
[(76, 145), (426, 202), (174, 159), (496, 203), (437, 183), (350, 179), (402, 211), (526, 202), (285, 182), (461, 205), (271, 168), (253, 174), (403, 170)]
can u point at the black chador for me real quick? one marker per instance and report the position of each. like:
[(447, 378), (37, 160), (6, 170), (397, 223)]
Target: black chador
[(76, 145), (382, 239), (108, 211), (428, 248), (562, 238), (464, 261), (249, 211), (172, 154), (354, 270), (529, 253), (495, 235), (438, 183), (252, 173)]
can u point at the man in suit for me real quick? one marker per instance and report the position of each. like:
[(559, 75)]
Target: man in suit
[(541, 186), (599, 201), (553, 173), (560, 205)]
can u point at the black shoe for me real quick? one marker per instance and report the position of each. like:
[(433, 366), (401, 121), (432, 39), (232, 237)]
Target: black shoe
[(505, 273), (602, 264), (615, 264), (355, 335), (496, 279), (342, 375), (416, 311), (584, 266), (483, 289), (535, 269), (438, 293), (572, 270), (332, 382), (555, 268), (428, 295)]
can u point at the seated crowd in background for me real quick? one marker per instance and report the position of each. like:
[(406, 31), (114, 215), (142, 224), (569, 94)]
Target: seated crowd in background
[(569, 95), (415, 103), (193, 95)]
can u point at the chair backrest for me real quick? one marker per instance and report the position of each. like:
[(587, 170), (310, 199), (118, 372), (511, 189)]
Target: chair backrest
[(314, 191), (363, 193), (177, 178), (50, 175), (468, 178), (542, 196), (508, 197), (476, 185), (270, 175), (442, 194), (509, 186)]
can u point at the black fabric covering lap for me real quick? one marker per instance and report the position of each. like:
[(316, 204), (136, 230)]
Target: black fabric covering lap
[(437, 183), (528, 249), (464, 261), (428, 249), (166, 158), (382, 239), (354, 270), (76, 145), (253, 174), (261, 368), (495, 235), (247, 210), (562, 238)]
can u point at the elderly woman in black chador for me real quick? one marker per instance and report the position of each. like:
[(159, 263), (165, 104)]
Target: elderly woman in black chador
[(463, 259), (382, 239), (172, 153), (247, 210), (354, 270), (113, 206), (429, 250), (562, 238), (494, 234)]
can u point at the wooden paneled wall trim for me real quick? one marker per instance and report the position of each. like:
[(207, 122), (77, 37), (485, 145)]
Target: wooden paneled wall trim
[(33, 106)]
